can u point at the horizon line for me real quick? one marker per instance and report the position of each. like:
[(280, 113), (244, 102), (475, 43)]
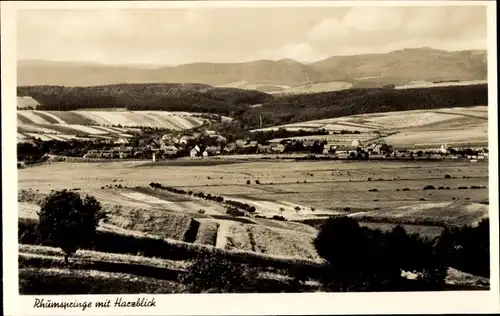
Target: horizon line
[(157, 65)]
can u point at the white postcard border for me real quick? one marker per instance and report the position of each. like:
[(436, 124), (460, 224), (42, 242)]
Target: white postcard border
[(236, 304)]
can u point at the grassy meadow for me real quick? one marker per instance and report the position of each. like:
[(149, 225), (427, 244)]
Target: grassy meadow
[(162, 232)]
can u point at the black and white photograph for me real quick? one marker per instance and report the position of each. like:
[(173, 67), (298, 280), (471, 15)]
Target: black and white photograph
[(223, 148)]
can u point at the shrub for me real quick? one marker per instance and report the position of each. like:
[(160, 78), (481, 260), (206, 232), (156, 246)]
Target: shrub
[(373, 190), (467, 248), (429, 187), (462, 188), (68, 221), (248, 181), (279, 218), (447, 176), (257, 182), (214, 273), (234, 212), (406, 189), (362, 259)]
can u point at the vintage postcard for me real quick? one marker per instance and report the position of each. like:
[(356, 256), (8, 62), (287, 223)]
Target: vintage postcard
[(249, 158)]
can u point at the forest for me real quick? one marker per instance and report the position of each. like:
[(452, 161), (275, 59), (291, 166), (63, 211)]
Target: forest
[(237, 103)]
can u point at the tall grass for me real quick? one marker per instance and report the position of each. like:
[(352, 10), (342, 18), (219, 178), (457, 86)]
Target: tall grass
[(50, 281), (116, 240), (207, 233)]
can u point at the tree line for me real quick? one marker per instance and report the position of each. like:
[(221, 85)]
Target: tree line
[(275, 110)]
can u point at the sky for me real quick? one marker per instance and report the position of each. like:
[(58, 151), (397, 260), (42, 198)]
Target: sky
[(180, 36)]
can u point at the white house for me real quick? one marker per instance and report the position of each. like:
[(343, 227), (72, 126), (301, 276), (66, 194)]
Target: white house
[(194, 152), (121, 141), (278, 148), (443, 149)]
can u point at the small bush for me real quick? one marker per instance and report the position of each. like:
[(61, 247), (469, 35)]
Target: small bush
[(248, 182), (447, 176), (406, 189), (462, 188), (373, 190), (429, 187), (279, 218), (234, 212), (214, 273), (257, 182)]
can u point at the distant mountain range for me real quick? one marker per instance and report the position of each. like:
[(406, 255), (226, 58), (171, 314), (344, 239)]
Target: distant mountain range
[(367, 70)]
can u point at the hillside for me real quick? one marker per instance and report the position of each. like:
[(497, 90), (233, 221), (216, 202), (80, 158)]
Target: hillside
[(368, 70), (305, 107), (276, 109), (403, 66), (171, 97)]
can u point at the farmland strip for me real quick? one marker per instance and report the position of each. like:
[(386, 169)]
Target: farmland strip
[(30, 115), (23, 119), (49, 118)]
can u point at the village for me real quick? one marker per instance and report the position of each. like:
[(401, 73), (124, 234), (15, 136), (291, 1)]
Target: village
[(210, 144)]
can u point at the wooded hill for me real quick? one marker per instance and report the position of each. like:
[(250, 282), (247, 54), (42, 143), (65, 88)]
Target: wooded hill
[(365, 70)]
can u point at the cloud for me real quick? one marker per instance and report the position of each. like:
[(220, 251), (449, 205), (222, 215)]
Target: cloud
[(303, 52), (172, 36), (327, 29), (373, 19), (364, 29)]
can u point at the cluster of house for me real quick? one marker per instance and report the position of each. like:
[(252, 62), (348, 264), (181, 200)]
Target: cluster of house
[(201, 144), (166, 145)]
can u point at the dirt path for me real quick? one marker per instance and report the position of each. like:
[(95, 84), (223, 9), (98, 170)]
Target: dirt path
[(222, 234)]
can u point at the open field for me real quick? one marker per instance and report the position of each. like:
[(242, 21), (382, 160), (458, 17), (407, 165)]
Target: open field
[(373, 189), (64, 125), (316, 87), (164, 119), (391, 120), (408, 128), (427, 84), (149, 228)]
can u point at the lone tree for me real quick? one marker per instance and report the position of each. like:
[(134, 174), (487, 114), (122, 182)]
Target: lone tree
[(297, 209), (68, 221), (281, 210)]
